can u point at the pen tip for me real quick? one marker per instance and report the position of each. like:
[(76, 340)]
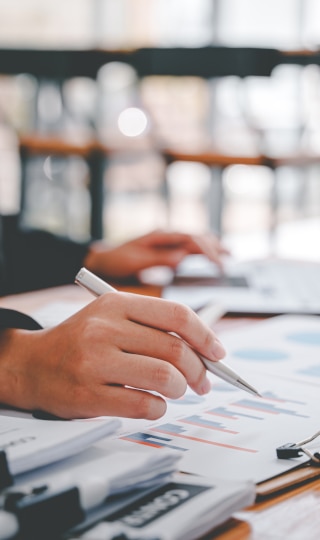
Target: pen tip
[(246, 386), (252, 390)]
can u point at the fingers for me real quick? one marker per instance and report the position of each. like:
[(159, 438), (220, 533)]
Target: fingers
[(132, 403), (136, 329), (175, 318), (171, 317), (210, 246), (115, 401), (144, 369), (165, 239), (181, 244), (111, 356), (139, 355), (147, 373)]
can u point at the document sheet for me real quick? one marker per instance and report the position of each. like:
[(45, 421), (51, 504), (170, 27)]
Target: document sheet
[(186, 507), (232, 433), (270, 286), (30, 443), (296, 518)]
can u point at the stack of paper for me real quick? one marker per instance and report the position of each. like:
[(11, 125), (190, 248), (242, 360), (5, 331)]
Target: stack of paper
[(76, 491), (119, 471), (187, 507), (30, 443)]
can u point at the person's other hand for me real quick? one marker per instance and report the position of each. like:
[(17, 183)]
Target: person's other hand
[(107, 359), (158, 248)]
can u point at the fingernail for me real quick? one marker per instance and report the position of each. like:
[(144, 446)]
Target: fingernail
[(206, 387), (218, 350)]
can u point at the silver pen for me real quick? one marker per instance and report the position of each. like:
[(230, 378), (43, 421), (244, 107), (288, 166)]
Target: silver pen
[(98, 286)]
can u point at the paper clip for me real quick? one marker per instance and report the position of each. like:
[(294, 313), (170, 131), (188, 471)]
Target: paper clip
[(291, 450)]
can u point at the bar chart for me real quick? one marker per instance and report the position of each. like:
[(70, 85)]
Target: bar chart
[(234, 434)]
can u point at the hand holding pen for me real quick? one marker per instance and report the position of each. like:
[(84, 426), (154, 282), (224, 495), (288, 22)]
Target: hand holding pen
[(121, 355), (115, 357), (98, 287)]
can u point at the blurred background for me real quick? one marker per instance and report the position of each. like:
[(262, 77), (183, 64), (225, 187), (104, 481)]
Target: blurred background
[(121, 116)]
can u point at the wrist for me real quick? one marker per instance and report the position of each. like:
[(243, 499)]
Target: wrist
[(17, 360)]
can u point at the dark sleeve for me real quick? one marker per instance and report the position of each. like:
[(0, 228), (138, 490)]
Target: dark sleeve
[(38, 259), (9, 318)]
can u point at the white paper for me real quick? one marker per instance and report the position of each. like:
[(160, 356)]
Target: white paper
[(55, 312), (117, 471), (187, 508), (296, 518), (30, 443), (231, 433), (267, 286)]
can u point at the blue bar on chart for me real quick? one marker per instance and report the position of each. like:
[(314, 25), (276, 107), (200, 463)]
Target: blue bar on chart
[(199, 421), (225, 413), (151, 440), (268, 408), (272, 395), (179, 431)]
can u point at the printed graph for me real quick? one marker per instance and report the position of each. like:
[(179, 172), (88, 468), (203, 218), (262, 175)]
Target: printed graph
[(199, 421), (177, 431), (199, 428), (268, 408), (180, 432), (236, 430), (151, 440), (226, 413), (275, 397)]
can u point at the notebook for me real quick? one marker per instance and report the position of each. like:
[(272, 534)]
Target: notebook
[(256, 287)]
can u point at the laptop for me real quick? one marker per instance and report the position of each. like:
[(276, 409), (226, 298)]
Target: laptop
[(255, 288)]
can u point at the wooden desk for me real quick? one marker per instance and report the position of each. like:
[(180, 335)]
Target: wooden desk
[(233, 529), (31, 301)]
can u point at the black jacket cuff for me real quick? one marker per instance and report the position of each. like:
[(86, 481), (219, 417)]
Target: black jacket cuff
[(10, 318)]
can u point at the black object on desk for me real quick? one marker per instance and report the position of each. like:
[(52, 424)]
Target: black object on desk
[(6, 479)]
